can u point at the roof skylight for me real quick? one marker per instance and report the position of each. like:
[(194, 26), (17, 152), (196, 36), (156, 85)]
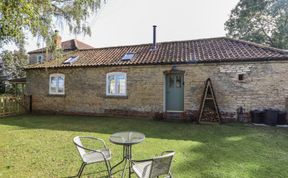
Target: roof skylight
[(128, 56), (71, 60)]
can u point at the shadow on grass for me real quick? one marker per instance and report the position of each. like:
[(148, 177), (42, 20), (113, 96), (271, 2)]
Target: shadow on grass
[(109, 125), (231, 150), (90, 174)]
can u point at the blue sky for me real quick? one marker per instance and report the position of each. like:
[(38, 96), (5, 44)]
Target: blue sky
[(126, 22)]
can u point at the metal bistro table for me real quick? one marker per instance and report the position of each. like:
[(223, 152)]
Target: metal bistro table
[(127, 139)]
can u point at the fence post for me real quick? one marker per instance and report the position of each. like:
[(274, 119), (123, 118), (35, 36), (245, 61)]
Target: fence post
[(30, 103)]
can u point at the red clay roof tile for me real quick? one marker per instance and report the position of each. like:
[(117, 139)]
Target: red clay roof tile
[(212, 50), (66, 46)]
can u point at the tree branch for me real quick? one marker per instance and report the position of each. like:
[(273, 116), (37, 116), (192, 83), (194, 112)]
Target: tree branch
[(269, 38)]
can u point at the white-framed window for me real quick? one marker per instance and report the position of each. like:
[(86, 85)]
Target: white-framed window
[(39, 58), (57, 84), (116, 84)]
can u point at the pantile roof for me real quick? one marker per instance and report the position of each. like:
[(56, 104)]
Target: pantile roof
[(69, 45), (213, 50)]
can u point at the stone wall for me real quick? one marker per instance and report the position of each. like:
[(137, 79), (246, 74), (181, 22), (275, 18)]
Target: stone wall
[(264, 86)]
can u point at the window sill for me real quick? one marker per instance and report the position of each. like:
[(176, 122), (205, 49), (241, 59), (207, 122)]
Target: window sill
[(242, 81), (116, 96), (56, 95)]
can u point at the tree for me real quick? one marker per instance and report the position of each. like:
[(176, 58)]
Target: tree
[(18, 17), (12, 67), (260, 21), (13, 64)]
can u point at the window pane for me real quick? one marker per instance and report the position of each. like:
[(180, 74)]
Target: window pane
[(178, 81), (111, 85), (53, 89), (60, 84), (171, 81), (53, 82), (121, 84), (60, 90), (39, 59)]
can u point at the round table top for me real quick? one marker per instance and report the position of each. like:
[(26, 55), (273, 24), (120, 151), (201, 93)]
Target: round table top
[(127, 138)]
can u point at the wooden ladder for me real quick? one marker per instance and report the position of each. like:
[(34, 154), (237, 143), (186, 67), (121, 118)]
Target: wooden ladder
[(209, 95)]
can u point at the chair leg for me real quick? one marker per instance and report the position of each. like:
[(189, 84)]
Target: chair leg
[(170, 175), (81, 169), (108, 166)]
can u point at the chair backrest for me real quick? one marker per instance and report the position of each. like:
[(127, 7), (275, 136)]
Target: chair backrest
[(77, 141), (161, 165)]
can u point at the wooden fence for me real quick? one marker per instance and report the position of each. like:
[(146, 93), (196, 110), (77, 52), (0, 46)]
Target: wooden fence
[(13, 105)]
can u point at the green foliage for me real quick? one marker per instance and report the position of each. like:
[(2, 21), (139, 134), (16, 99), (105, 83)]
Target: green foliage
[(260, 21), (12, 67), (17, 17), (41, 146), (13, 63)]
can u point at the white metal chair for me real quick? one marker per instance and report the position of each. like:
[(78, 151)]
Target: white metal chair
[(151, 168), (90, 156)]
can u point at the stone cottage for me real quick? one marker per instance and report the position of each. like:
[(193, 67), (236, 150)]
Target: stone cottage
[(163, 77)]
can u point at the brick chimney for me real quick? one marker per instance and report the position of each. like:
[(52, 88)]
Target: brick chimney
[(57, 40)]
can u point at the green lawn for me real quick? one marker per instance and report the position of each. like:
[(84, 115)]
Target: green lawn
[(41, 146)]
